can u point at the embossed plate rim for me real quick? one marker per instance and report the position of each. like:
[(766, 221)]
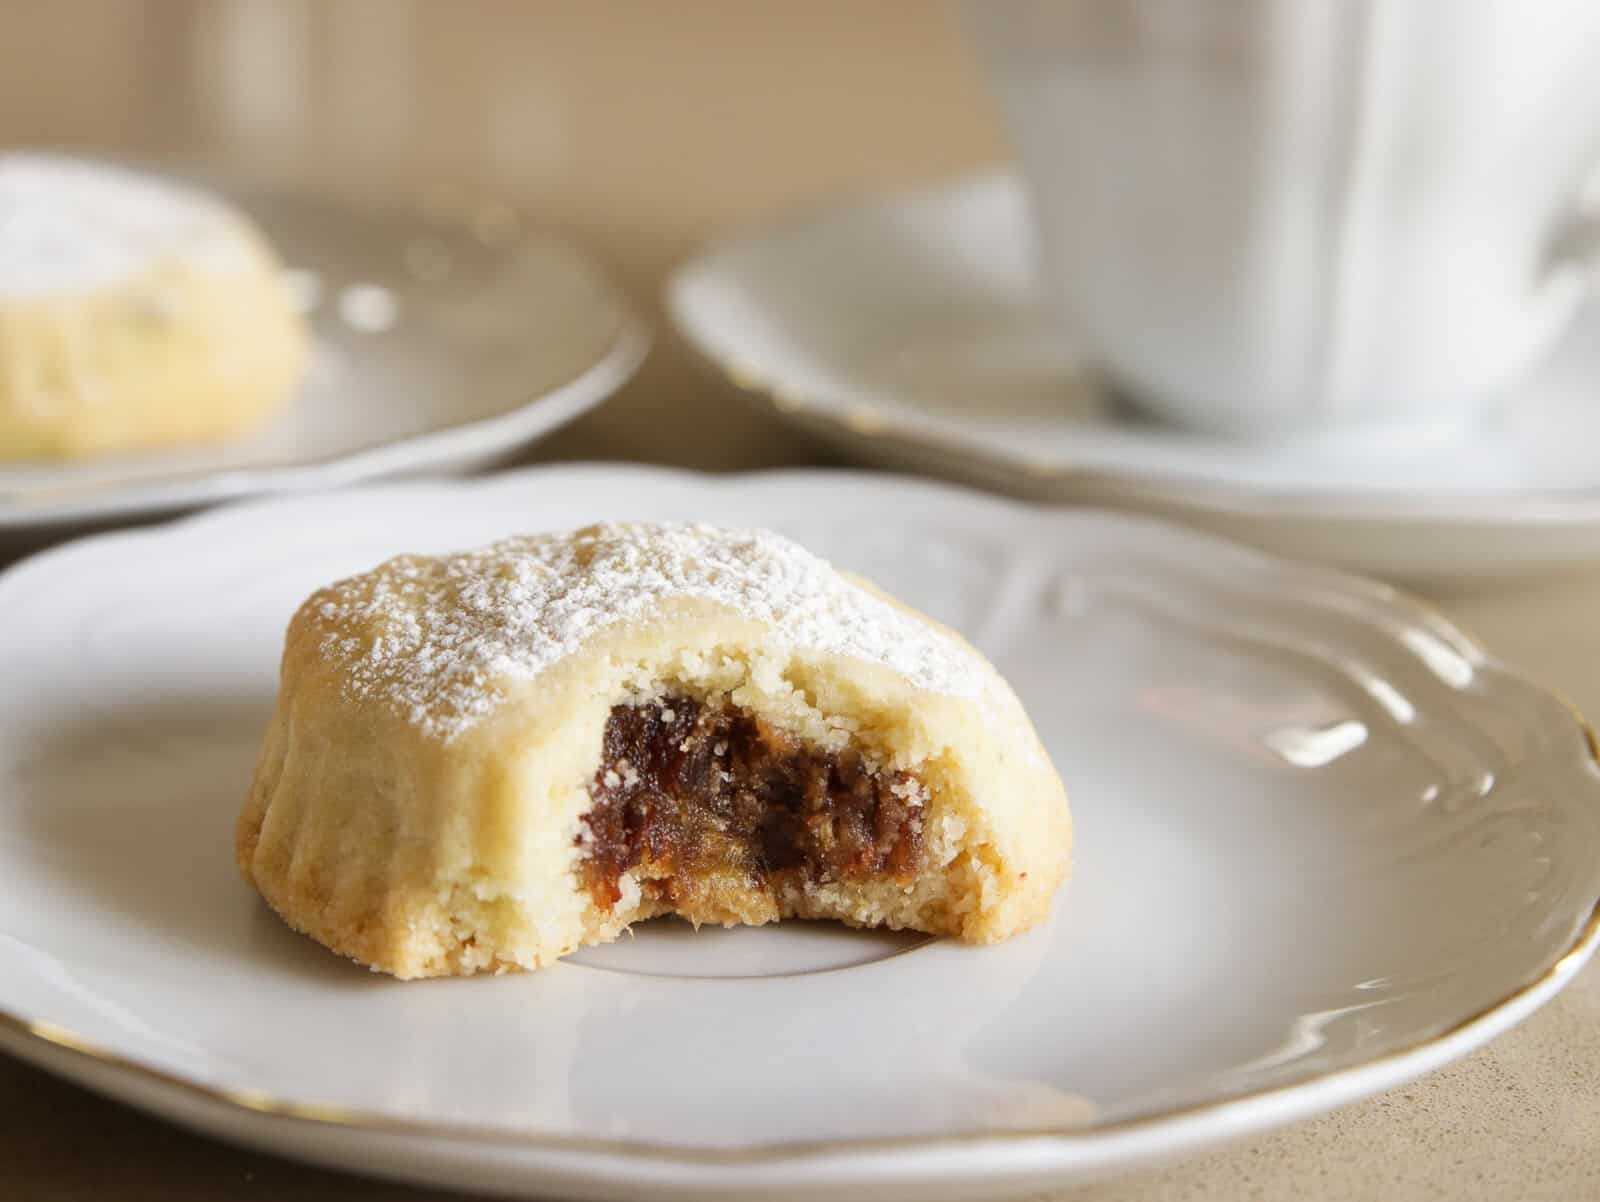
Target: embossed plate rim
[(1022, 1158)]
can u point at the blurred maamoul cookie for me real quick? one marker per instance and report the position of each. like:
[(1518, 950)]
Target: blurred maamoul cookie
[(134, 312), (483, 761)]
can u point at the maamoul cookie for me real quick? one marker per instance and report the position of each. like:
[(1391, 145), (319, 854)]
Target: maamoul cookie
[(483, 761), (134, 312)]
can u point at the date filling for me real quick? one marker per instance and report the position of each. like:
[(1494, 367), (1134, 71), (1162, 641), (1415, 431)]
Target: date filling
[(695, 797)]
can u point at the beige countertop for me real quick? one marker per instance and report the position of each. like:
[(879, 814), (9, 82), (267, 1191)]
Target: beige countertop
[(646, 129)]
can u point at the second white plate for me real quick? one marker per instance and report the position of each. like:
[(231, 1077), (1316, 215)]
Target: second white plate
[(1324, 843), (442, 340), (904, 327)]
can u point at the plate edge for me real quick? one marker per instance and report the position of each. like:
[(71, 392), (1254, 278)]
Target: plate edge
[(1403, 1063)]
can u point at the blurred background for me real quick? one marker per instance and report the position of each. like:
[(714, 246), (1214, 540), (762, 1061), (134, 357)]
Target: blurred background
[(641, 128)]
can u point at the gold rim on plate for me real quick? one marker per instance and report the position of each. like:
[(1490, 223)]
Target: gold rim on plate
[(46, 1039)]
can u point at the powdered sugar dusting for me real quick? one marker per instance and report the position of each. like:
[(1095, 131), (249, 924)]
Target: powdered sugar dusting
[(67, 224), (449, 630)]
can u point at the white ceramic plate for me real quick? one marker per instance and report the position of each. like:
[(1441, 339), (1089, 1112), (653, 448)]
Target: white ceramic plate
[(441, 341), (905, 328), (1324, 844)]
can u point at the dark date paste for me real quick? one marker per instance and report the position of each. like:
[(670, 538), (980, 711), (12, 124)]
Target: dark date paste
[(688, 791)]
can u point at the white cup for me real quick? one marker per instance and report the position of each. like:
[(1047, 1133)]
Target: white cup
[(1276, 216)]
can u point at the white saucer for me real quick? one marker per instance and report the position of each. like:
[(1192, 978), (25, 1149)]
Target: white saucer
[(904, 329), (442, 341), (1324, 844)]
